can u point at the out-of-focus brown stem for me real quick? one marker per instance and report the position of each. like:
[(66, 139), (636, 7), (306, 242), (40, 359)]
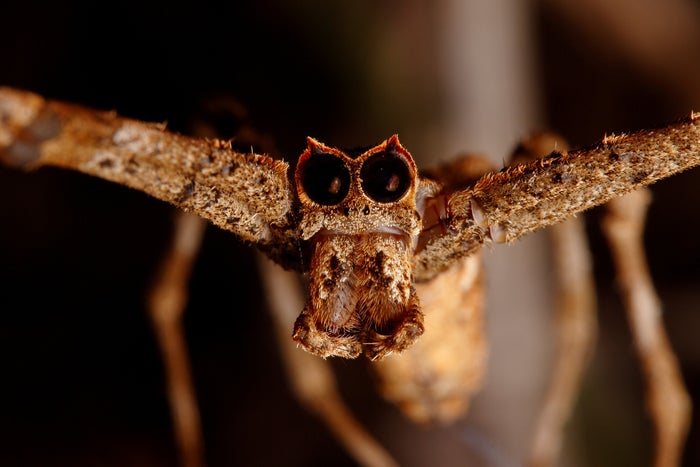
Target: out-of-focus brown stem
[(576, 335), (575, 316), (166, 304), (667, 399), (311, 377)]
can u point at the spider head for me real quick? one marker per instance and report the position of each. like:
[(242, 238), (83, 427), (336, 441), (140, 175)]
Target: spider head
[(374, 191), (359, 215)]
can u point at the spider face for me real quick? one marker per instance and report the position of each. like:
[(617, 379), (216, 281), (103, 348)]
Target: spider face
[(361, 218), (371, 192)]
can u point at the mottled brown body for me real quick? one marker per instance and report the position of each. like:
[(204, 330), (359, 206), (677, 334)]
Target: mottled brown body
[(361, 217), (361, 297), (353, 221), (434, 379), (250, 195)]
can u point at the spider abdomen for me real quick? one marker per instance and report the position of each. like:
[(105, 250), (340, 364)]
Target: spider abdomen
[(361, 297)]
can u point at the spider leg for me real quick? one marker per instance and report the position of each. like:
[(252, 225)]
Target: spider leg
[(311, 378), (667, 398), (503, 206), (575, 318), (166, 304), (247, 194)]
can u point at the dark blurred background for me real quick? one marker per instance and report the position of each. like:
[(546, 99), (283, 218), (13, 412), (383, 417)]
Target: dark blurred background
[(82, 382)]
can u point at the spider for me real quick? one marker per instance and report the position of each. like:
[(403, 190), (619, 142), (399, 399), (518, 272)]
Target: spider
[(372, 235)]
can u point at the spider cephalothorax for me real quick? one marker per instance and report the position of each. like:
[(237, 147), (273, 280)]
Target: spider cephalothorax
[(361, 216)]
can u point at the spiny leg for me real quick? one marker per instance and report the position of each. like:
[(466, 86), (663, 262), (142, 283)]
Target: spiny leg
[(166, 304), (311, 377), (503, 206), (667, 399), (575, 317)]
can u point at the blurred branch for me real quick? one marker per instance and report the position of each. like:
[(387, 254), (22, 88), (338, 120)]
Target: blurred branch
[(575, 317), (166, 305), (667, 398)]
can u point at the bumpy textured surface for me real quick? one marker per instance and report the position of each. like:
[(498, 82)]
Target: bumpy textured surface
[(247, 194), (513, 202), (361, 296), (393, 245)]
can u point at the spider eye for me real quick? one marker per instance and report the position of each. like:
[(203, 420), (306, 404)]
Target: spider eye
[(325, 179), (385, 177)]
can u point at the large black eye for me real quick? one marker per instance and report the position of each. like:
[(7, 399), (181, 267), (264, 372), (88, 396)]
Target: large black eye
[(325, 179), (385, 177)]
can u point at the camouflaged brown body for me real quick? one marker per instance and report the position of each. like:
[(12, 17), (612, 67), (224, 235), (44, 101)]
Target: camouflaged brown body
[(434, 379), (250, 195), (361, 298)]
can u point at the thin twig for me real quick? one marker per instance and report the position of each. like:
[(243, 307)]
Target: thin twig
[(667, 399), (575, 316), (166, 305)]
